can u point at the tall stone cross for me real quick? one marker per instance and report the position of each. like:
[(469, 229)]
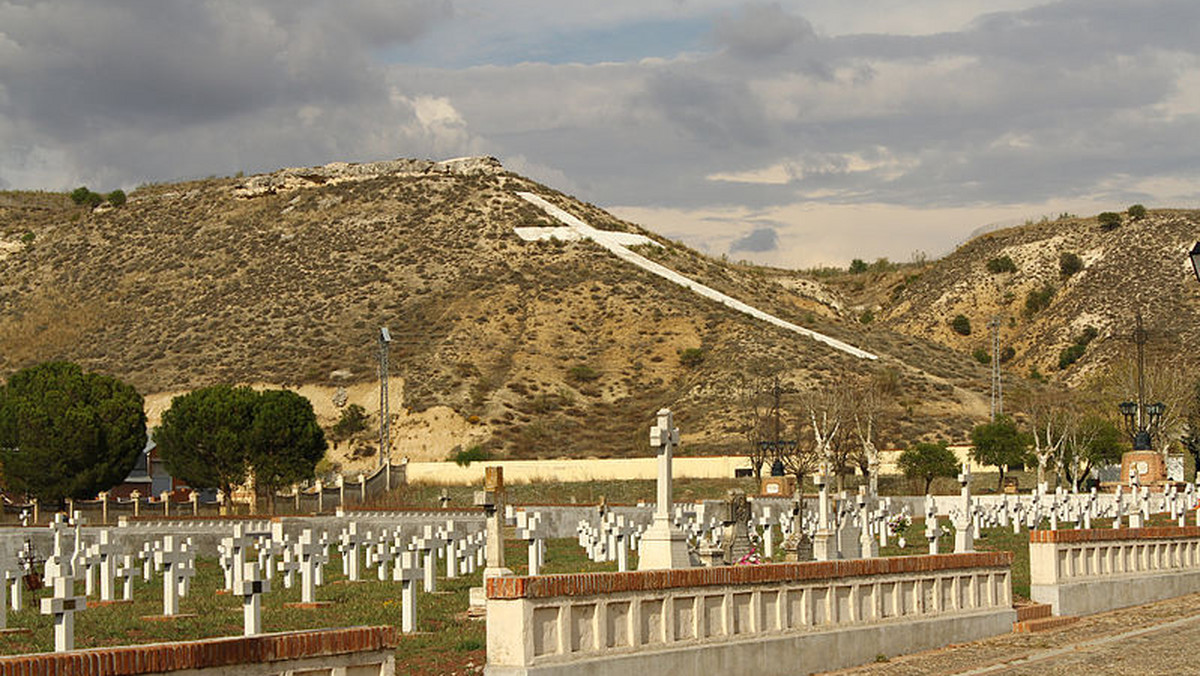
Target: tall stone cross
[(663, 545), (664, 437), (963, 537), (491, 499)]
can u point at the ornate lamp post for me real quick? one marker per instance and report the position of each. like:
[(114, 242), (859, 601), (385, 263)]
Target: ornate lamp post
[(1141, 421)]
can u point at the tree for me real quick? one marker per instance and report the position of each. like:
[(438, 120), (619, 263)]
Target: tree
[(1109, 220), (1091, 441), (1069, 263), (205, 434), (65, 433), (1001, 444), (285, 442), (869, 409), (961, 325), (116, 197), (928, 461), (1001, 264), (858, 266), (1048, 412), (352, 421), (1136, 212)]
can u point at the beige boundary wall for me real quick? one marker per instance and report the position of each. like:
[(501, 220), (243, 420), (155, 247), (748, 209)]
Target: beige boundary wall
[(774, 619), (600, 469), (1080, 572), (361, 651)]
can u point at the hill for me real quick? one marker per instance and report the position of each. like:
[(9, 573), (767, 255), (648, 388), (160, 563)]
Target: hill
[(1046, 305), (533, 349)]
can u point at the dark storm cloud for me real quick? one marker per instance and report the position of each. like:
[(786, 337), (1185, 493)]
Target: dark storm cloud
[(759, 240), (77, 75)]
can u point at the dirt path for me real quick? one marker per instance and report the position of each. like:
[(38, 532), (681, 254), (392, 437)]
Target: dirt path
[(1158, 638)]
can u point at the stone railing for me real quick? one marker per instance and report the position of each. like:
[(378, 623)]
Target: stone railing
[(363, 651), (1089, 571), (769, 619)]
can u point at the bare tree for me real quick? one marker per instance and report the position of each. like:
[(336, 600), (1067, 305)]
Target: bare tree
[(827, 413), (870, 402), (1047, 413), (750, 396)]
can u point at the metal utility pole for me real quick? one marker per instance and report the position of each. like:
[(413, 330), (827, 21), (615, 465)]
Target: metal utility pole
[(385, 437), (997, 385)]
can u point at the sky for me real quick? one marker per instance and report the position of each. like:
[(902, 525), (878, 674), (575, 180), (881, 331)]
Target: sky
[(789, 133)]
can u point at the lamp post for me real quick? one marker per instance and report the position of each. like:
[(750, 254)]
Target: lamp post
[(1141, 420)]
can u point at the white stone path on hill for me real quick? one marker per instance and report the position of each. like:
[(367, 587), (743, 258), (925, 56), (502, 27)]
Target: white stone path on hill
[(617, 243)]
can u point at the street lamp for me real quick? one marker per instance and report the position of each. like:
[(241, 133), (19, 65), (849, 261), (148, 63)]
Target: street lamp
[(1194, 254), (1140, 424)]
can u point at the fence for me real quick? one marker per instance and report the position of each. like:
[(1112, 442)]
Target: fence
[(1080, 572), (768, 619), (319, 498)]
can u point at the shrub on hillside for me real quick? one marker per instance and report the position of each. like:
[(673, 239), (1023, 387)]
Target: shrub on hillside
[(582, 373), (1109, 220), (1069, 263), (691, 357), (858, 266), (1136, 212), (1007, 354), (982, 356), (352, 421), (1039, 299), (82, 196), (1001, 264), (961, 325), (116, 197), (464, 458)]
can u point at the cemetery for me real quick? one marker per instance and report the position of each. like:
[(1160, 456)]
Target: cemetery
[(811, 582)]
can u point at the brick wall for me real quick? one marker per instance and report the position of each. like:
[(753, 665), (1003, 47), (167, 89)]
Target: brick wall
[(1108, 534), (588, 584), (216, 653)]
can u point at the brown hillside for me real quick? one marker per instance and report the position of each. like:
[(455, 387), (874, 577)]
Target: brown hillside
[(544, 348)]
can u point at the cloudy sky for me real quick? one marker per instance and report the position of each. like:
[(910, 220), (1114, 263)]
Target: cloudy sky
[(793, 133)]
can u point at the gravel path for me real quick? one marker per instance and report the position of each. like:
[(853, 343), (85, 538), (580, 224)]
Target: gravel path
[(1157, 638)]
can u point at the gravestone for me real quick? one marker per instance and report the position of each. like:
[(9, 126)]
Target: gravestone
[(251, 589), (663, 545), (825, 545), (735, 540), (63, 605)]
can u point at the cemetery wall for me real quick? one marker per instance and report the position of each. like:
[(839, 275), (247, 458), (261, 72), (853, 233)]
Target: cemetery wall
[(604, 469), (1080, 572), (768, 619), (364, 651)]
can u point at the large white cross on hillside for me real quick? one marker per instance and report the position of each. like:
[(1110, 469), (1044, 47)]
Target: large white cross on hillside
[(618, 243)]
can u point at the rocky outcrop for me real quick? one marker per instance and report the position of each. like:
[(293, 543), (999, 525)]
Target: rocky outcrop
[(296, 178)]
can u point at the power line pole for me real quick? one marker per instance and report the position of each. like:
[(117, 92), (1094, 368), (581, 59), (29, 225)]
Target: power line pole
[(997, 385), (385, 446)]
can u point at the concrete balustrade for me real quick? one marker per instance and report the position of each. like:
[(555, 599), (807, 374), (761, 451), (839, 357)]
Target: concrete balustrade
[(768, 619), (1079, 572)]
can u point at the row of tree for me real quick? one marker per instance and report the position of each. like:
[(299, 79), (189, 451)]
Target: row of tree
[(65, 433), (837, 426), (217, 437)]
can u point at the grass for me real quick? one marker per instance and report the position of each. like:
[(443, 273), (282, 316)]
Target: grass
[(447, 641)]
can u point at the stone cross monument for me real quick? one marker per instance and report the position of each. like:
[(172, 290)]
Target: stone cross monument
[(491, 498), (663, 545)]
